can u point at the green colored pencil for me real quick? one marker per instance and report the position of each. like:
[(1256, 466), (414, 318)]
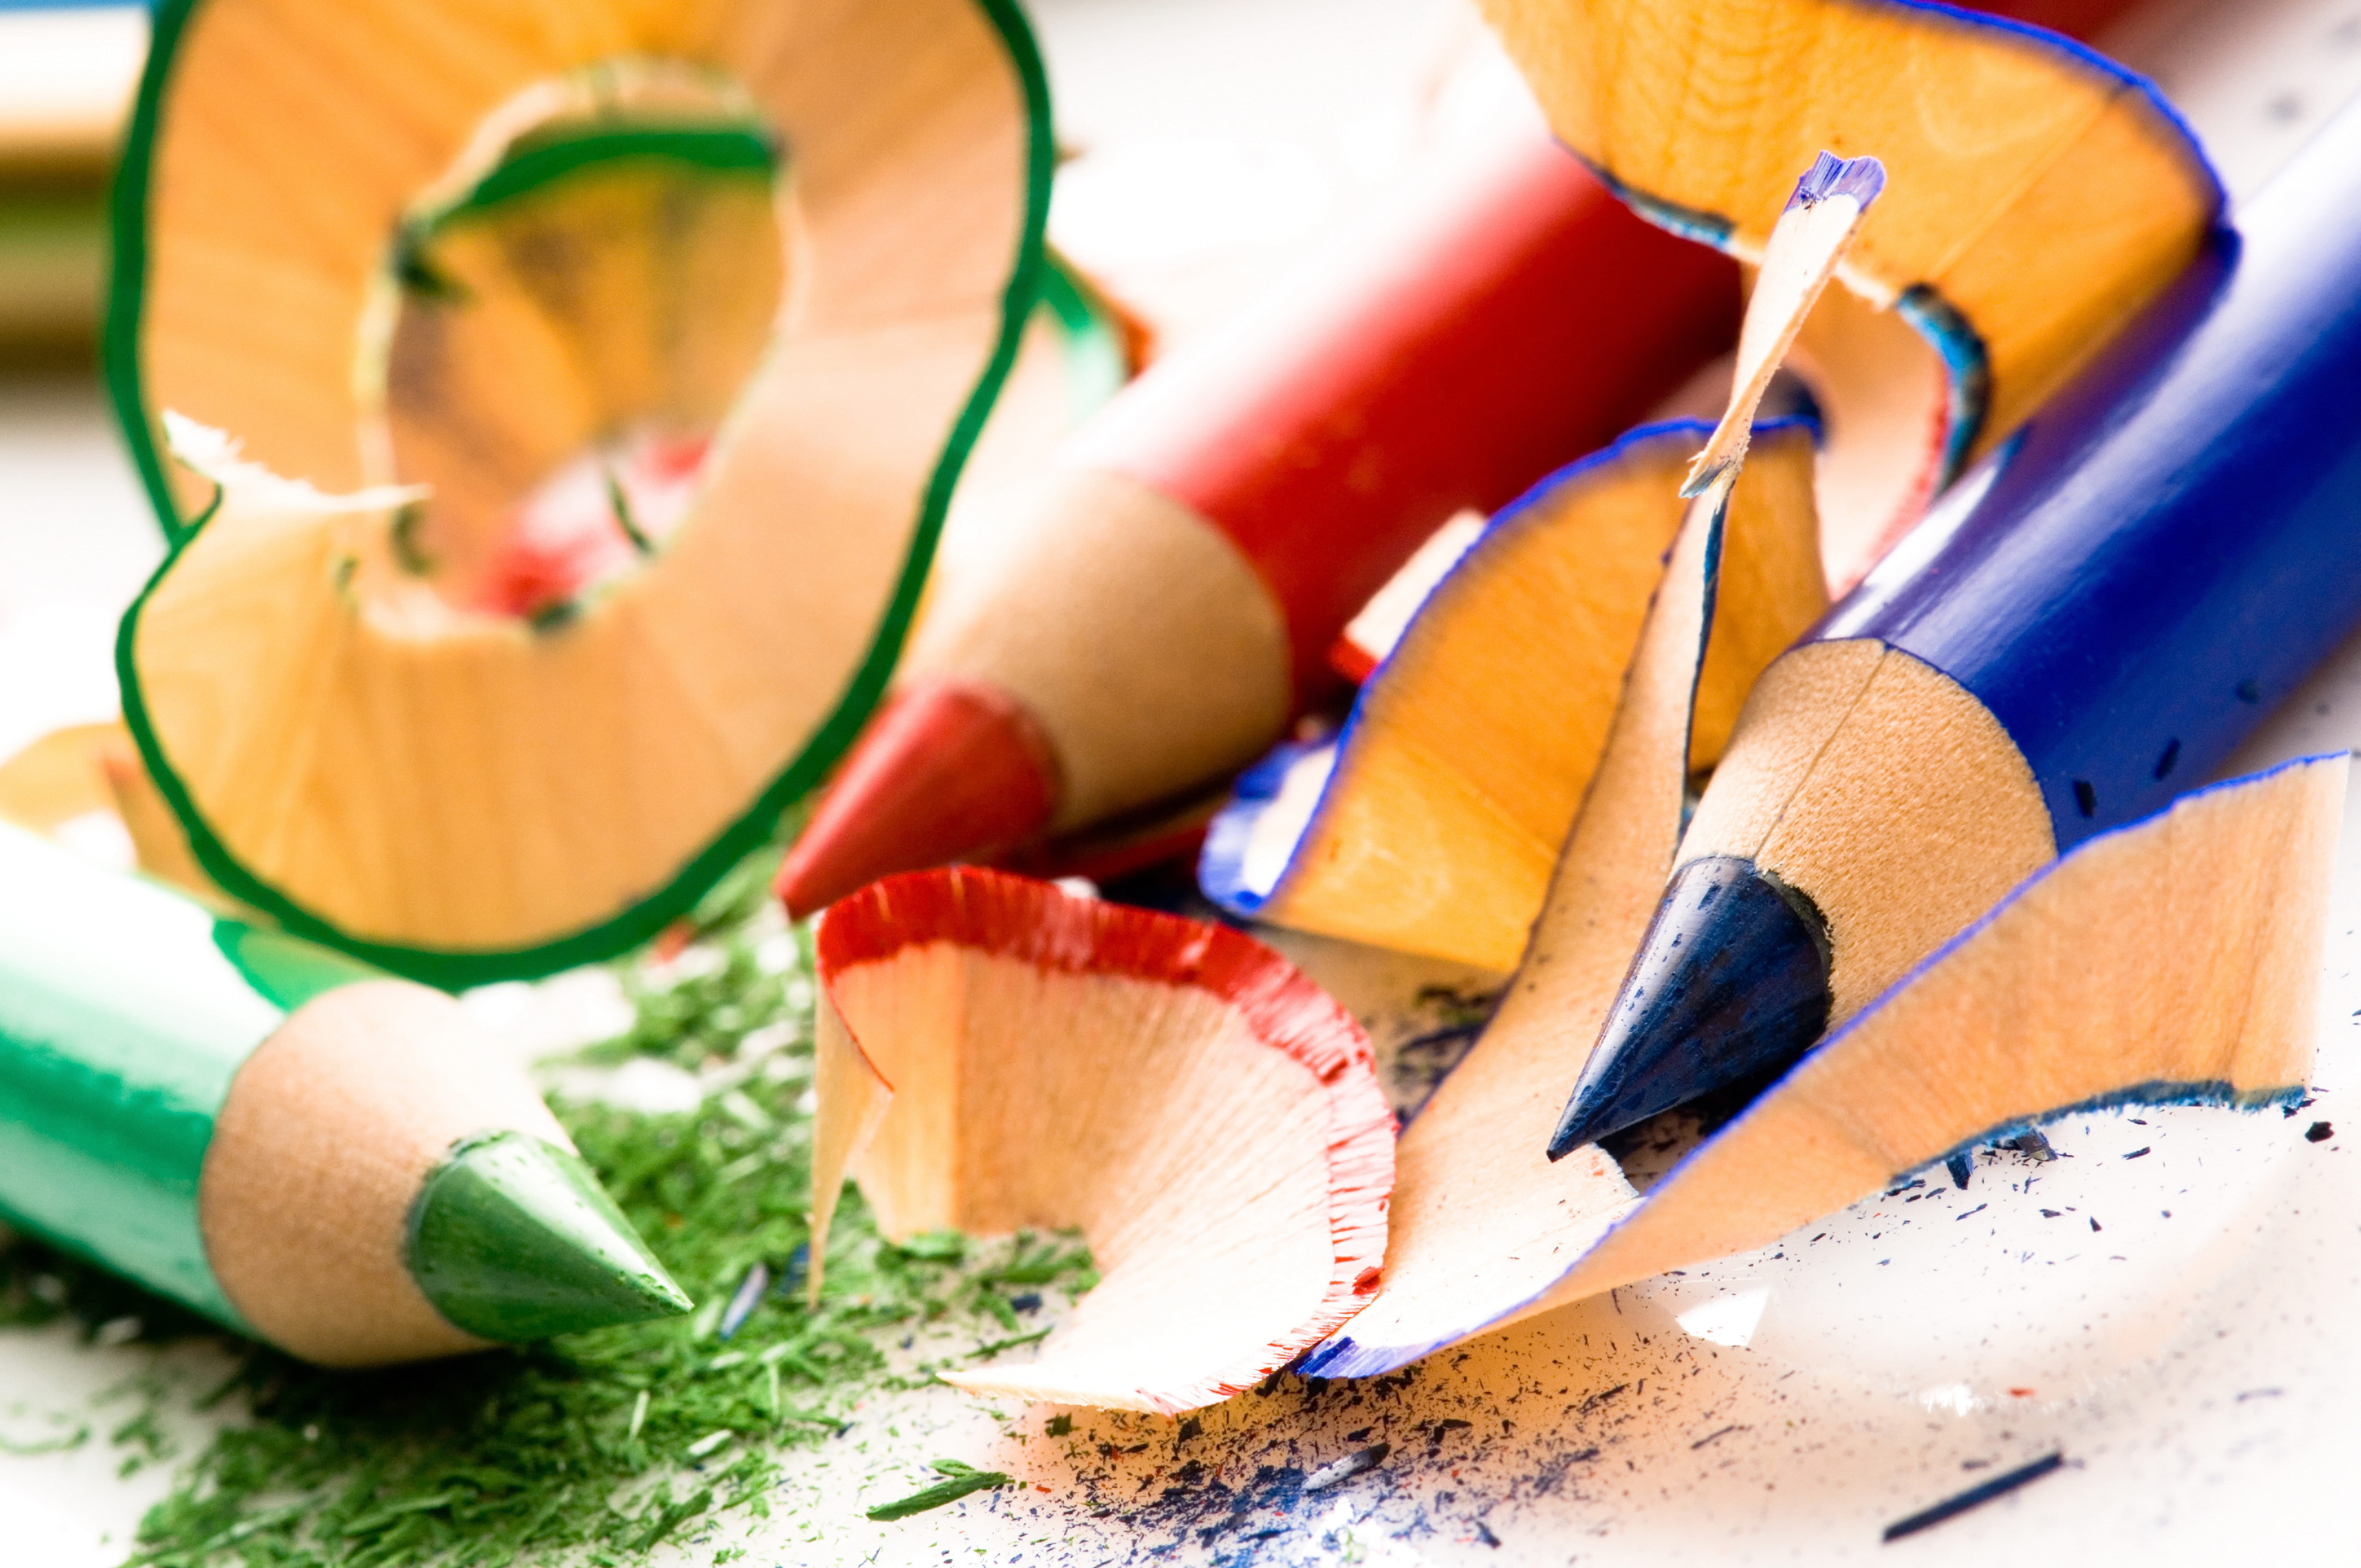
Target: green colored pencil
[(292, 1144)]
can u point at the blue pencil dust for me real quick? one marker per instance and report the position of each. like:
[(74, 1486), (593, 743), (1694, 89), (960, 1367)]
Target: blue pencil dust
[(1416, 1068), (1470, 1447), (1262, 1483)]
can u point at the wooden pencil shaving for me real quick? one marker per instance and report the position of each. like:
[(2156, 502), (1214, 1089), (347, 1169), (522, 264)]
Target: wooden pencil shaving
[(2121, 971), (2043, 195), (1810, 237), (2015, 248), (63, 783), (1431, 822), (1485, 1230), (685, 354), (2025, 1016), (994, 1055), (1427, 823)]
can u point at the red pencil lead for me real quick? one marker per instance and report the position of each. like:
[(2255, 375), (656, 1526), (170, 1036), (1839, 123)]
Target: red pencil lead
[(947, 771)]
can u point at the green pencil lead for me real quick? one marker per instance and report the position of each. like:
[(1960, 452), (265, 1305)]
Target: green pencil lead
[(963, 1480), (513, 1239)]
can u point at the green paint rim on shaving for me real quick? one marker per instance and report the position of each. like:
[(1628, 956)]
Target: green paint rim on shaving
[(452, 968)]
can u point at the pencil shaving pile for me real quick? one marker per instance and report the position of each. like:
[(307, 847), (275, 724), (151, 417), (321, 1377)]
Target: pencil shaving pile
[(996, 1053), (1989, 1035), (1485, 1230)]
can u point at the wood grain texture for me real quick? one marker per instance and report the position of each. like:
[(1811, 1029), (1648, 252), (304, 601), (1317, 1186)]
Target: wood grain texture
[(1135, 632), (2041, 195), (1451, 795), (329, 1130), (418, 776), (998, 1055)]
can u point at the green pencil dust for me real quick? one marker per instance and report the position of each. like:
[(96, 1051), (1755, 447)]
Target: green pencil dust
[(959, 1481), (598, 1447)]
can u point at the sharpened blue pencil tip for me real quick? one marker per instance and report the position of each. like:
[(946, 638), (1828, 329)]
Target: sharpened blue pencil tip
[(1730, 985)]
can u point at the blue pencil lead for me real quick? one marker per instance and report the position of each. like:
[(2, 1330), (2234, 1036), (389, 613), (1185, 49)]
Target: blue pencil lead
[(1731, 984)]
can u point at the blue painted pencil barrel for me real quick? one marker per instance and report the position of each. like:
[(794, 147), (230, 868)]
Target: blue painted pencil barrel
[(2174, 541)]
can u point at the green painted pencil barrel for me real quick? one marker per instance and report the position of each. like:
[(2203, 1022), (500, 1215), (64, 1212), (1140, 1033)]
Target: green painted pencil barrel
[(446, 1208)]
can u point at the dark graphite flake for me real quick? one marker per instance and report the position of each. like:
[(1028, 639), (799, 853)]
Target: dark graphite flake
[(2319, 1133), (1974, 1497), (1345, 1469)]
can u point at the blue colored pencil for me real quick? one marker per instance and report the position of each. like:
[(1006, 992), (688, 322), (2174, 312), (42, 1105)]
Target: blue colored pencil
[(2085, 626)]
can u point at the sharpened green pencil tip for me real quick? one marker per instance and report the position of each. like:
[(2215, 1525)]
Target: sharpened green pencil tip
[(513, 1239)]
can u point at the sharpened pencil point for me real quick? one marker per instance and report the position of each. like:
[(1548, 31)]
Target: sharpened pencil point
[(513, 1238), (1730, 983), (946, 772)]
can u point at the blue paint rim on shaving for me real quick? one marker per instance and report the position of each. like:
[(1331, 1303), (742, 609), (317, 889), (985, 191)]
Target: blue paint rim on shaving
[(1829, 176), (1939, 321), (1341, 1357), (1966, 365), (1221, 864)]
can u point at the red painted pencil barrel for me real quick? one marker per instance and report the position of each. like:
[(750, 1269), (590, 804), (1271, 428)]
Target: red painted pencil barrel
[(1505, 315), (1510, 318)]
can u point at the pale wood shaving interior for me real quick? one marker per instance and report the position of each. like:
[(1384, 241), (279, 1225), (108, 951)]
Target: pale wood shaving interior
[(1199, 1160), (472, 785)]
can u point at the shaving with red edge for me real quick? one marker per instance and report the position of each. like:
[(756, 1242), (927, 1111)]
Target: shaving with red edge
[(996, 1053)]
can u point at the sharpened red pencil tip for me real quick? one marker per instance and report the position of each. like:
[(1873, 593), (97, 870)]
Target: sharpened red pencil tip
[(945, 772)]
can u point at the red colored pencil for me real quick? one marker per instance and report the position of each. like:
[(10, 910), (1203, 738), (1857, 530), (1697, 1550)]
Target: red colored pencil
[(1174, 594), (1172, 598)]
